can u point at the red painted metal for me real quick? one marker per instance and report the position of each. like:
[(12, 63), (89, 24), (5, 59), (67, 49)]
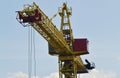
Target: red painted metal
[(80, 45), (31, 18)]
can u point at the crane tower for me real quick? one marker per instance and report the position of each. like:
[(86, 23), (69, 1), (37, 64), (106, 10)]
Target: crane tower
[(60, 42)]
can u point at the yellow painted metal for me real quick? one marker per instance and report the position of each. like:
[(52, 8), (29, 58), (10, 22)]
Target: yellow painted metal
[(48, 30), (66, 29), (70, 64)]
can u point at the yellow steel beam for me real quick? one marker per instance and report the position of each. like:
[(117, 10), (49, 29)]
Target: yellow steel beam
[(47, 29), (55, 38)]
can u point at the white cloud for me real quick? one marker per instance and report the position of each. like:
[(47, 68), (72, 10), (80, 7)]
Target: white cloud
[(92, 74), (98, 74), (53, 75), (19, 75)]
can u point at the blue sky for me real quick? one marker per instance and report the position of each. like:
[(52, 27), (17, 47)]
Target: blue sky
[(97, 20)]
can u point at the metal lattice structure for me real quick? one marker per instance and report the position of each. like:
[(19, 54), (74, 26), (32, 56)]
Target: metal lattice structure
[(61, 42)]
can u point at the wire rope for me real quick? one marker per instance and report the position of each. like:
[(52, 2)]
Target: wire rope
[(34, 53), (31, 53)]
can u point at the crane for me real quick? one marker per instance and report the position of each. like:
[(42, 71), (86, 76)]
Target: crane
[(60, 42)]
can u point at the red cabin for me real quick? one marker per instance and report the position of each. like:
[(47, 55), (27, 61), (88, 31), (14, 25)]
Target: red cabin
[(80, 46)]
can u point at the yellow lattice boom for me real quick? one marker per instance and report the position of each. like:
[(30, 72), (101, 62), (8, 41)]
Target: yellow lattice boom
[(61, 42)]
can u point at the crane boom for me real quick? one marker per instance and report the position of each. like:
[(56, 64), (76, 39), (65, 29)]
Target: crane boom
[(43, 25), (61, 42)]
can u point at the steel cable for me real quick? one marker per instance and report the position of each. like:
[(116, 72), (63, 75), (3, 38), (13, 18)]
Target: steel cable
[(31, 53)]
